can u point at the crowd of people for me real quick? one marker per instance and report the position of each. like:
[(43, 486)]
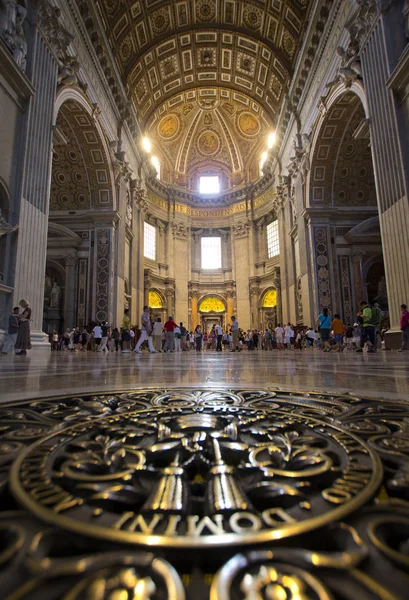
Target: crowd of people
[(328, 334)]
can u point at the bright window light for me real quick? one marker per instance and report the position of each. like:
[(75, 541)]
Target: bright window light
[(273, 244), (271, 139), (211, 253), (146, 144), (150, 241), (156, 164), (209, 185)]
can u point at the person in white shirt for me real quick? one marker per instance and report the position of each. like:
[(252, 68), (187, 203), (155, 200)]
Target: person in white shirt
[(176, 333), (146, 332), (287, 335), (219, 334), (279, 331), (234, 329), (97, 337), (157, 335)]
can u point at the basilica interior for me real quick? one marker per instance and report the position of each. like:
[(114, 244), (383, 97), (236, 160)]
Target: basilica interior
[(206, 159)]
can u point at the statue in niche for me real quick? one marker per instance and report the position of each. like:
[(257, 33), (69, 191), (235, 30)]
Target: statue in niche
[(5, 227), (48, 286), (55, 296), (12, 16), (350, 68)]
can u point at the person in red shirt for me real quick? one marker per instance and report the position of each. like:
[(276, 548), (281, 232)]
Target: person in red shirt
[(404, 327), (169, 335)]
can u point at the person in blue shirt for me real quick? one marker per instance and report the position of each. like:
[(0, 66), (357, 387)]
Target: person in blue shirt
[(324, 322), (12, 330)]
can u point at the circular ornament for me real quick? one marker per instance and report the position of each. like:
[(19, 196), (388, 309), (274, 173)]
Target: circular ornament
[(248, 124), (169, 126), (238, 470), (208, 143)]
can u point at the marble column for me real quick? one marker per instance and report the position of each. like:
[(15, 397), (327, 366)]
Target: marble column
[(169, 303), (230, 309), (195, 315), (277, 285), (359, 288), (138, 276), (70, 308), (384, 62), (254, 295)]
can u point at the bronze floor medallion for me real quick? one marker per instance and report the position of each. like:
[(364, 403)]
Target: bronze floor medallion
[(204, 493)]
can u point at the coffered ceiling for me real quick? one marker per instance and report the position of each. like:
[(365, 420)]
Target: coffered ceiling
[(165, 47)]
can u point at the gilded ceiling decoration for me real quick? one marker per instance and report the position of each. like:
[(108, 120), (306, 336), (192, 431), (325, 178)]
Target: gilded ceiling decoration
[(81, 176), (269, 299), (204, 493), (341, 169), (212, 304), (155, 300), (209, 131), (163, 47)]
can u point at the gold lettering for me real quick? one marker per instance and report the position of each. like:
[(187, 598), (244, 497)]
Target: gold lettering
[(145, 527), (173, 522), (196, 525), (276, 516), (255, 522)]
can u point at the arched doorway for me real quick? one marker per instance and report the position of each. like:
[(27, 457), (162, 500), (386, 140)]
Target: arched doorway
[(80, 243), (268, 309), (344, 232), (212, 311), (157, 305)]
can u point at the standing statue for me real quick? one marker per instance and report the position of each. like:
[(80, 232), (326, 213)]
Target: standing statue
[(5, 227), (55, 296), (12, 16)]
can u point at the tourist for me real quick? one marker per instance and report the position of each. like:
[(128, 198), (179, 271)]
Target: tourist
[(12, 330), (183, 334), (132, 338), (97, 331), (219, 334), (368, 331), (324, 325), (66, 338), (192, 340), (298, 340), (146, 333), (377, 317), (115, 337), (157, 335), (177, 335), (198, 338), (76, 339), (255, 339), (338, 328), (234, 330), (169, 335), (23, 342), (279, 331), (267, 340), (55, 338), (287, 336), (104, 336), (349, 337), (84, 339), (356, 338), (404, 327), (126, 336)]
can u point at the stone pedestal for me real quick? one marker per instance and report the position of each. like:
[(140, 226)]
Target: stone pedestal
[(54, 319)]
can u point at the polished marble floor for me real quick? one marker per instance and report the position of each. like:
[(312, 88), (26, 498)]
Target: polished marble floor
[(384, 375)]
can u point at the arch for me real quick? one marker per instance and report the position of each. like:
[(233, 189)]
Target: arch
[(91, 143), (217, 300), (270, 295), (156, 299), (62, 232), (341, 172)]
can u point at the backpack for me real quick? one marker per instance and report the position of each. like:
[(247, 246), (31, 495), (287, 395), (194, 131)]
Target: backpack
[(376, 317)]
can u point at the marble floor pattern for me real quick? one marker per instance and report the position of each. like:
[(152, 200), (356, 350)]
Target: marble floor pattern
[(41, 373)]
